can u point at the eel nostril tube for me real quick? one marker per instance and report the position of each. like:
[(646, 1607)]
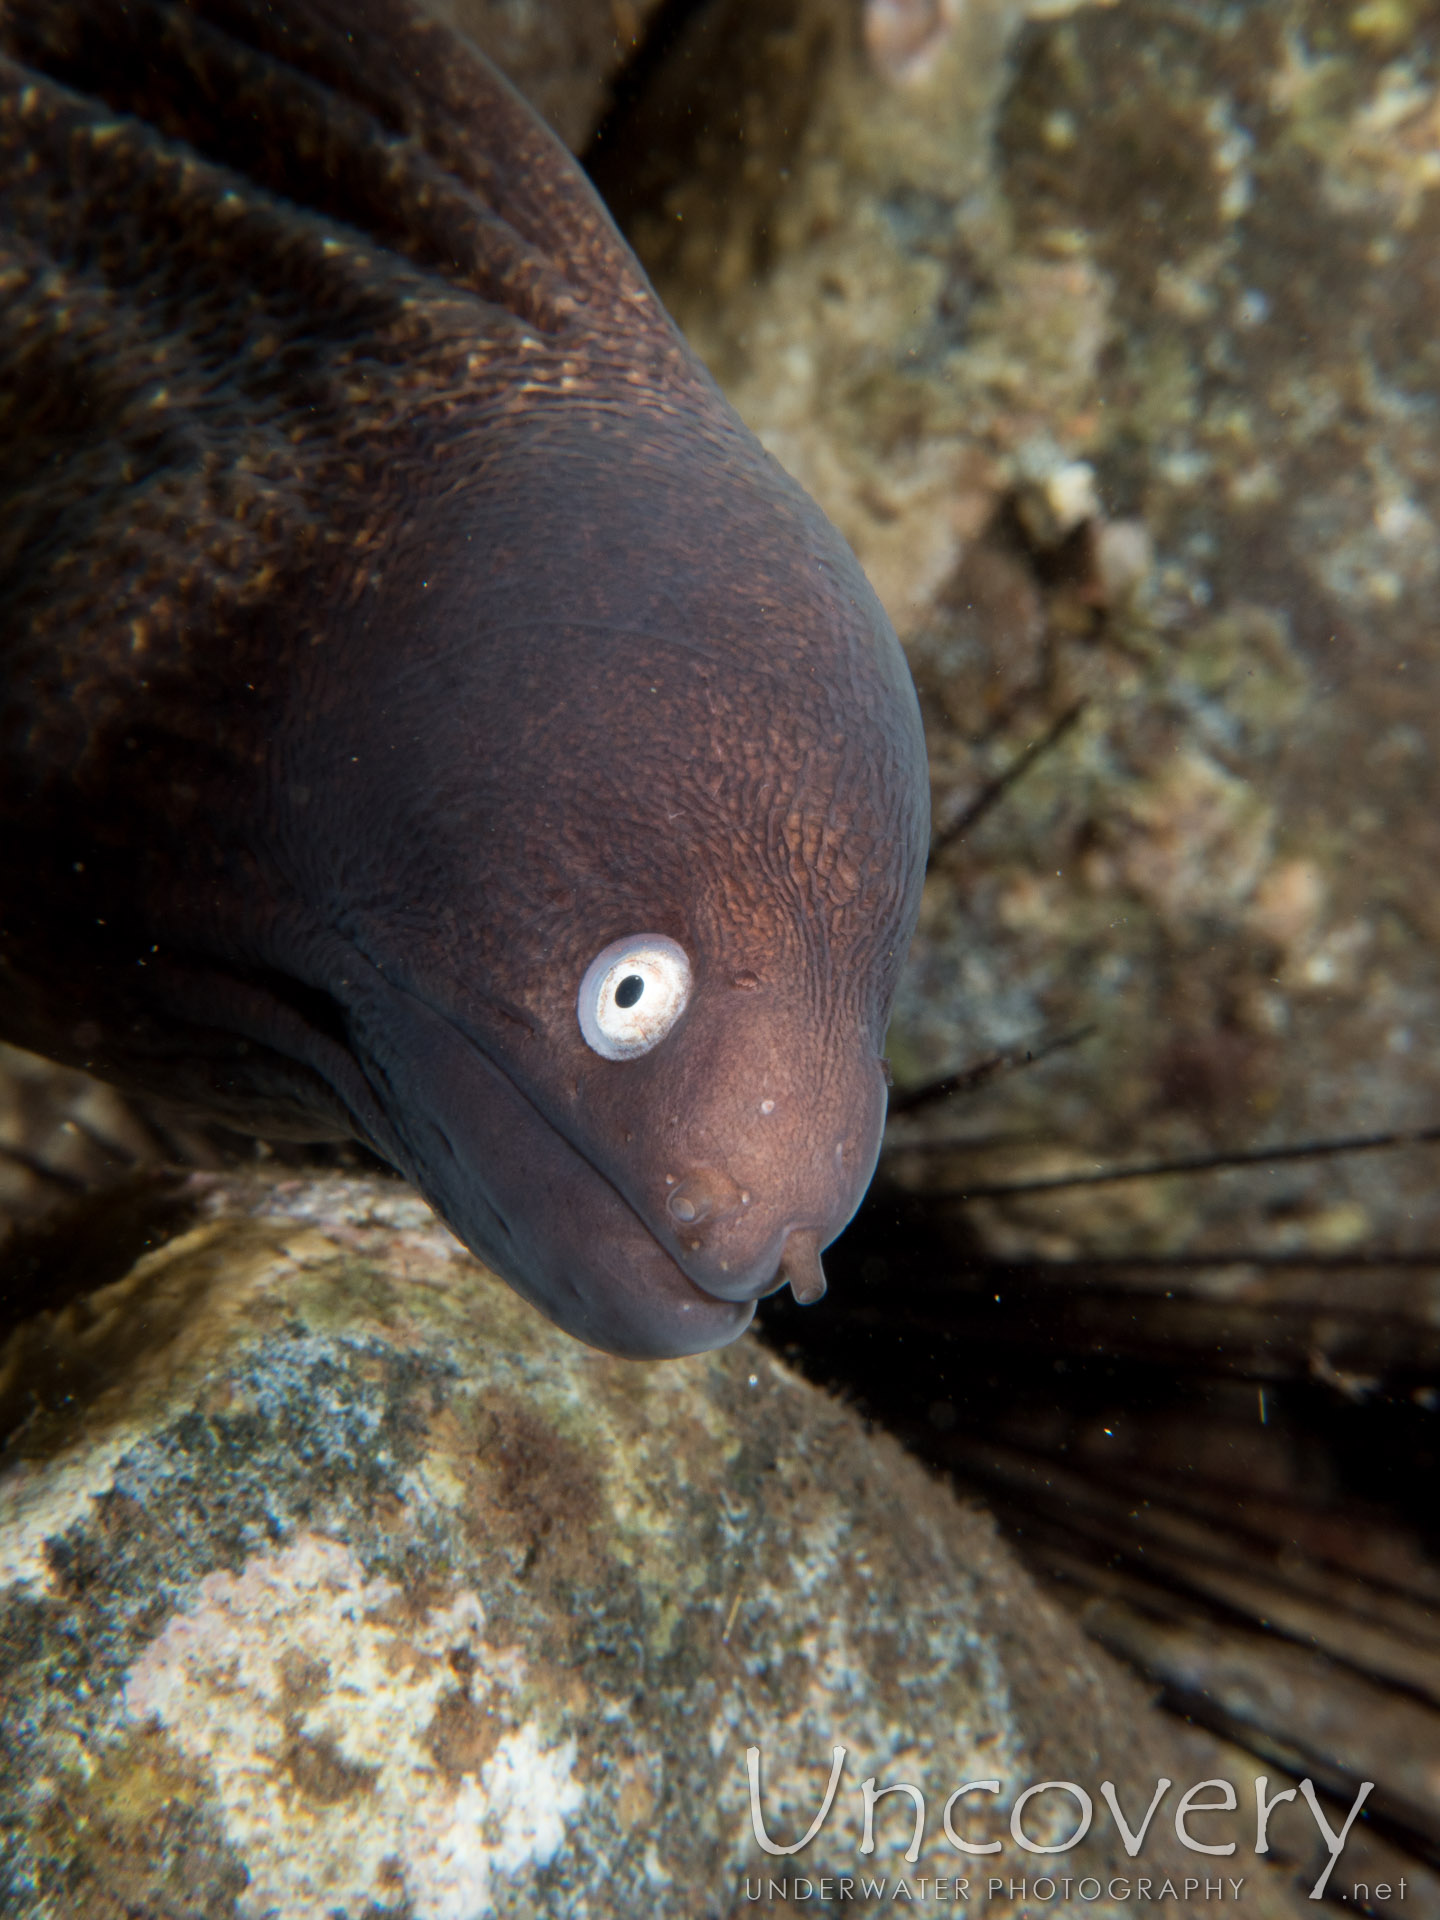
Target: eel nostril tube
[(800, 1265)]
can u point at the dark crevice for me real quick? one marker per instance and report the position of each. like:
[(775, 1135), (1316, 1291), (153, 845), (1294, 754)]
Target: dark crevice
[(92, 1242), (314, 1007), (664, 32)]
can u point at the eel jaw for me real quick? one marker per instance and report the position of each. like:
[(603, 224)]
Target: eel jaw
[(513, 1188)]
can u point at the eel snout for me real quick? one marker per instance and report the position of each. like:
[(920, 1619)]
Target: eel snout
[(754, 1208), (705, 1202), (793, 1261)]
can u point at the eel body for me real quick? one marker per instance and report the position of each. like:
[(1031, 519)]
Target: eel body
[(426, 713)]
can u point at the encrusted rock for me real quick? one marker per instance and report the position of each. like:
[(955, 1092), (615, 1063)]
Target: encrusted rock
[(333, 1582)]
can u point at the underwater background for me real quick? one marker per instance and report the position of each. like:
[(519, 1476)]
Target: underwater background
[(1106, 334)]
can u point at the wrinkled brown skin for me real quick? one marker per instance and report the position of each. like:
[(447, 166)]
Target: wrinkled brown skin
[(392, 614)]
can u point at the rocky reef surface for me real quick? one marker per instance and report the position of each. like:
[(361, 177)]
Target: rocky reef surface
[(334, 1582)]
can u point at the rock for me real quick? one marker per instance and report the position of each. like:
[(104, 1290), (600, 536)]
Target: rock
[(61, 1133), (333, 1582)]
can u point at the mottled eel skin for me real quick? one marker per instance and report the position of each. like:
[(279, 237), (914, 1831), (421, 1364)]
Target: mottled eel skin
[(393, 619)]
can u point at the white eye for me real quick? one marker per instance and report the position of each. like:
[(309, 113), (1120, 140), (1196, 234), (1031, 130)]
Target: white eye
[(632, 994)]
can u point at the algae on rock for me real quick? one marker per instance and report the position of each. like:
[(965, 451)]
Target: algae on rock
[(333, 1581)]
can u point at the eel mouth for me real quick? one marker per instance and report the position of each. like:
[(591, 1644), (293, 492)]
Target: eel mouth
[(427, 1095), (522, 1195)]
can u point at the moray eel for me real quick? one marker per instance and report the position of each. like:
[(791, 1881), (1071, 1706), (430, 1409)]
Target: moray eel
[(428, 714)]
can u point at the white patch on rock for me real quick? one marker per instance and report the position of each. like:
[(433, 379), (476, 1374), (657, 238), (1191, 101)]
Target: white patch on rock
[(42, 1499), (309, 1692)]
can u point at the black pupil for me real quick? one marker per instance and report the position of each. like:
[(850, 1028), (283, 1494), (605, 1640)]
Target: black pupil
[(629, 990)]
